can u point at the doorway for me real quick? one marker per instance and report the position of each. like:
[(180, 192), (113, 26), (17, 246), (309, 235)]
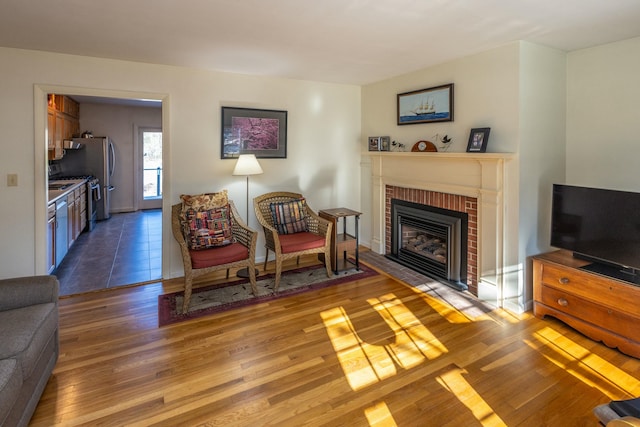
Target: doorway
[(108, 97)]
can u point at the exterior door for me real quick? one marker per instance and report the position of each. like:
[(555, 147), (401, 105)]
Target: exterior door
[(150, 168)]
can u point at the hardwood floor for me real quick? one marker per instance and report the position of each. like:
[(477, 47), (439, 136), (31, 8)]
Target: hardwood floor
[(373, 352)]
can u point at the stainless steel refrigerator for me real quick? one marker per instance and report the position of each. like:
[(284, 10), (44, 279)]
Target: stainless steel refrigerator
[(95, 157)]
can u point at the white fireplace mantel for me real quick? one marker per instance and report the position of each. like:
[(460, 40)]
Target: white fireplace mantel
[(479, 175)]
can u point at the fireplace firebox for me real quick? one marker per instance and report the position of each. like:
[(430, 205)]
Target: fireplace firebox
[(431, 241)]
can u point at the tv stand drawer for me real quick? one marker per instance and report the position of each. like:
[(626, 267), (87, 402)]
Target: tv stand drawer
[(600, 307), (594, 287), (593, 313)]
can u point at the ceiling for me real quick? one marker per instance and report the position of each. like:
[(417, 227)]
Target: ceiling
[(340, 41)]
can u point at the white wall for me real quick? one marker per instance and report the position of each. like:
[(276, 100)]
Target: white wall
[(603, 116), (485, 95), (120, 123), (516, 90), (486, 89), (542, 106), (323, 139)]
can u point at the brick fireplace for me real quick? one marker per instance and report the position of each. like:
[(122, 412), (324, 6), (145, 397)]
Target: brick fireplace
[(454, 202), (473, 183)]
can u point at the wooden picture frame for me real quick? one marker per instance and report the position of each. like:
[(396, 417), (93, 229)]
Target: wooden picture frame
[(253, 131), (478, 139), (430, 105)]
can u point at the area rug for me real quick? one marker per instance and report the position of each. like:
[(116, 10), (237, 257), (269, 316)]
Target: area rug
[(215, 298)]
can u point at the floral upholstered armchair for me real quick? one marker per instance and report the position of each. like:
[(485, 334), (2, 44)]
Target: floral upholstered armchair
[(212, 236)]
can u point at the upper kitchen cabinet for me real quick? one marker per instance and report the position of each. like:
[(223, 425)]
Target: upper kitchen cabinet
[(62, 123)]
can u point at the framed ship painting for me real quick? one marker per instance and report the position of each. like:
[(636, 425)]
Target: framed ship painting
[(426, 105), (253, 131)]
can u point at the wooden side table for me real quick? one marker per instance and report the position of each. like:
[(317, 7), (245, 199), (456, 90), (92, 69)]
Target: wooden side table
[(342, 242)]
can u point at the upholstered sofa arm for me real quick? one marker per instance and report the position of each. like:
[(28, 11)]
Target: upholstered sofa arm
[(25, 291)]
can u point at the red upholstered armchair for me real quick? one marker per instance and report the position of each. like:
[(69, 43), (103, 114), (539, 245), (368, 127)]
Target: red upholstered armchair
[(291, 229), (212, 238)]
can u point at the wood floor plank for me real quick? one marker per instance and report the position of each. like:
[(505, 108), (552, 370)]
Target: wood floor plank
[(364, 353)]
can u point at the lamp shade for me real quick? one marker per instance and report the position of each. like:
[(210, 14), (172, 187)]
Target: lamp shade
[(247, 165)]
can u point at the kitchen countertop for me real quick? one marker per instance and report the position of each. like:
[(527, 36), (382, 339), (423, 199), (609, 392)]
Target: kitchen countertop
[(55, 195)]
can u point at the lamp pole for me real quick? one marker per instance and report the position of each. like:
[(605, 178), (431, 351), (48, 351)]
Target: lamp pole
[(246, 165)]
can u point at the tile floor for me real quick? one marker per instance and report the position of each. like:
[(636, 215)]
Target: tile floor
[(125, 249)]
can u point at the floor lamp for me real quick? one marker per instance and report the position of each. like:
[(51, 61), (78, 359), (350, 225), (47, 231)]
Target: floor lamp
[(247, 165)]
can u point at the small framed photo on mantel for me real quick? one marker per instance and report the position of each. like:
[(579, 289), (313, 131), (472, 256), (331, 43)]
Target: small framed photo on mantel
[(478, 139), (379, 143), (374, 143)]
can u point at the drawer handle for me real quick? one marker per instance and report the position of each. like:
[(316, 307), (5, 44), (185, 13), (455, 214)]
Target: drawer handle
[(564, 280), (563, 302)]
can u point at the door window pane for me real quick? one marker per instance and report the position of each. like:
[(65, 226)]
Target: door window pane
[(152, 165)]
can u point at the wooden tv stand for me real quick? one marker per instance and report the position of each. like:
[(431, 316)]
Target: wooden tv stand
[(602, 308)]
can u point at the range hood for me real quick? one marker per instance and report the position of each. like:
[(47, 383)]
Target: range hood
[(69, 144)]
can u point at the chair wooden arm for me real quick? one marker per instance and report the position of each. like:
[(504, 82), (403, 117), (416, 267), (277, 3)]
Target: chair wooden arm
[(241, 231), (176, 228), (272, 241), (316, 223)]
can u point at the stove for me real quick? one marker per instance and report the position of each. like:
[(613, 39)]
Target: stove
[(57, 178), (59, 185), (93, 192)]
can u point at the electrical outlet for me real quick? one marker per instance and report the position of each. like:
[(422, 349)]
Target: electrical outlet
[(12, 180)]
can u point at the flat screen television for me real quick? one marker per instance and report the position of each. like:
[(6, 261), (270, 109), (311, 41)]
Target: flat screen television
[(599, 225)]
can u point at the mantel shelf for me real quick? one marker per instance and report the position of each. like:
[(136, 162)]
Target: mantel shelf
[(441, 154), (476, 175)]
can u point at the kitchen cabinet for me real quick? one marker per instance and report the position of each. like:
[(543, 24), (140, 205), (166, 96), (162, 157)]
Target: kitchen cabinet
[(75, 219), (71, 220), (51, 237), (67, 218), (60, 236), (66, 105), (51, 126), (83, 208), (62, 123), (77, 212)]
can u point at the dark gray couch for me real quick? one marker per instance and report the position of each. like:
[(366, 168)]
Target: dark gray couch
[(28, 344)]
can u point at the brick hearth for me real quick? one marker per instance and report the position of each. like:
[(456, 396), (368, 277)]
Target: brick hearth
[(454, 202)]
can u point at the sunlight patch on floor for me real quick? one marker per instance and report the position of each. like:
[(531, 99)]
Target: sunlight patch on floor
[(455, 383), (583, 364), (448, 312), (365, 364), (413, 341), (379, 416), (362, 363)]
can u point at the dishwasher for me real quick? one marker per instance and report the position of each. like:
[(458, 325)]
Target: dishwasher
[(62, 223)]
